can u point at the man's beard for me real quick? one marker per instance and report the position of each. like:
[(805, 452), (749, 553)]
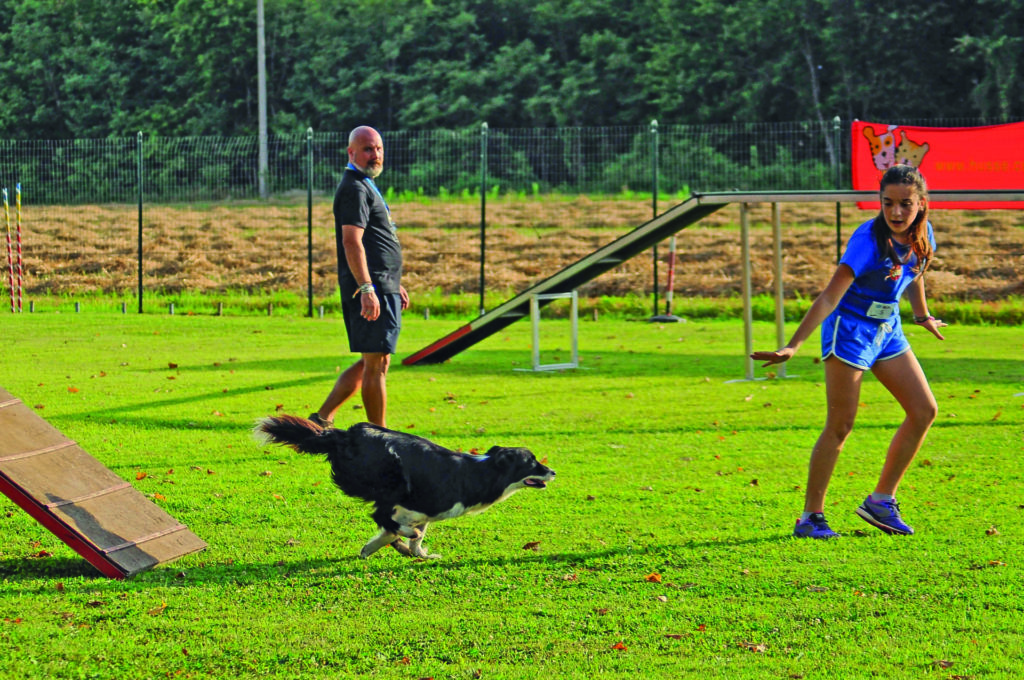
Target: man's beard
[(371, 172)]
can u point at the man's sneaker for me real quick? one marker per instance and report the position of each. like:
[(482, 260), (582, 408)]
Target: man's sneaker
[(884, 515), (325, 424), (814, 526)]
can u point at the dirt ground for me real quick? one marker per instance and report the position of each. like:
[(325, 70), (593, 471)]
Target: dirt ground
[(73, 249)]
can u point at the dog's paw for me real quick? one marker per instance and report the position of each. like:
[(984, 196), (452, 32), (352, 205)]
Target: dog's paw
[(402, 548), (410, 532), (421, 553)]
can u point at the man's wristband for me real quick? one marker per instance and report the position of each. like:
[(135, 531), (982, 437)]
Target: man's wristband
[(922, 319), (363, 289)]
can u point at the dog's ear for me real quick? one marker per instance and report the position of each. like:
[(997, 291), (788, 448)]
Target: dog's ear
[(506, 457), (499, 457)]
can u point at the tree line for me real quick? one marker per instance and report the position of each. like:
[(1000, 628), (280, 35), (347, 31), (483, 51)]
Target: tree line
[(110, 68)]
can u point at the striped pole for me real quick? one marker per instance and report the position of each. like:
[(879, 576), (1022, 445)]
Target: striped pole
[(10, 254), (21, 268)]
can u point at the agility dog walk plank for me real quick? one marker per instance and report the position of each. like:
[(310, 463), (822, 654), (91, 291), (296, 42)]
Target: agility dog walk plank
[(640, 239), (96, 513), (565, 281)]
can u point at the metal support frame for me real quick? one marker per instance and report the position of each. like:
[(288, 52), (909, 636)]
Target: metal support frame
[(535, 301)]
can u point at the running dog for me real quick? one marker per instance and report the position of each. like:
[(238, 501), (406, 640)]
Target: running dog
[(410, 480)]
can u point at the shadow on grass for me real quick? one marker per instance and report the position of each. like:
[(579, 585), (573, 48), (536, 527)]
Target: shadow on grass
[(386, 562)]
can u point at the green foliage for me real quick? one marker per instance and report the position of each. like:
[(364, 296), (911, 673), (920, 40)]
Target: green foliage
[(661, 550), (99, 69)]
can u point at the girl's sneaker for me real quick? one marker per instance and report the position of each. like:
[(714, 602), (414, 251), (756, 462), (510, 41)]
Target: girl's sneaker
[(884, 515), (814, 526)]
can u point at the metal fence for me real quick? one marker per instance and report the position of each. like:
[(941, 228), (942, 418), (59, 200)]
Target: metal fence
[(147, 212)]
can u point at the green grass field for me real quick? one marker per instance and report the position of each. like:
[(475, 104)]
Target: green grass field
[(661, 550)]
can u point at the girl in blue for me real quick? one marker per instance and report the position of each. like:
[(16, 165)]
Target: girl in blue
[(861, 330)]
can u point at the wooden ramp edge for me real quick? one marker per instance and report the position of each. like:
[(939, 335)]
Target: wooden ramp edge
[(78, 499)]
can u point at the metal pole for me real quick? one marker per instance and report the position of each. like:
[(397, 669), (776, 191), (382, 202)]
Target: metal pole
[(836, 129), (653, 202), (309, 218), (261, 95), (668, 316), (139, 145), (780, 309), (483, 211), (748, 315)]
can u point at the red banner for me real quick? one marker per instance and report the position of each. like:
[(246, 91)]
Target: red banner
[(968, 158)]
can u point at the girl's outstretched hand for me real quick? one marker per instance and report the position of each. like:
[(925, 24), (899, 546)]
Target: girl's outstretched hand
[(933, 325), (777, 357)]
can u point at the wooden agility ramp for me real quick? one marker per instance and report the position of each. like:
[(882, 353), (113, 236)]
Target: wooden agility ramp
[(96, 513)]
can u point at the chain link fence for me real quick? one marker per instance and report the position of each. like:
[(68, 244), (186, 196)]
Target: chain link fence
[(141, 213)]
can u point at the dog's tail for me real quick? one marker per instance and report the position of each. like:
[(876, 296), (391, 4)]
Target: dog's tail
[(300, 434)]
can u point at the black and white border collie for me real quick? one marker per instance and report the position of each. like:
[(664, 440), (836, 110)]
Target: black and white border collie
[(410, 480)]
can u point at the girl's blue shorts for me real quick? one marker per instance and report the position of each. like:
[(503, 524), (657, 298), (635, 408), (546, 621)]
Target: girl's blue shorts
[(859, 341)]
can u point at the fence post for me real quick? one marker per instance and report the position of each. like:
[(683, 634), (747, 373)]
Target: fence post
[(483, 210), (139, 147), (654, 202), (309, 218), (836, 130)]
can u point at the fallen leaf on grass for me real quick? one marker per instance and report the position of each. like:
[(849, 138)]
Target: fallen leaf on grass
[(532, 545), (674, 636), (620, 647), (942, 663), (171, 364), (992, 531), (72, 390), (140, 476), (662, 598), (157, 611), (653, 578), (758, 647)]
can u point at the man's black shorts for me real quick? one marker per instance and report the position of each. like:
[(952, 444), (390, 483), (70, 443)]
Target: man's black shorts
[(373, 337)]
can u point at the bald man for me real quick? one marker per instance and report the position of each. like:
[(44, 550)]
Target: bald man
[(369, 274)]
